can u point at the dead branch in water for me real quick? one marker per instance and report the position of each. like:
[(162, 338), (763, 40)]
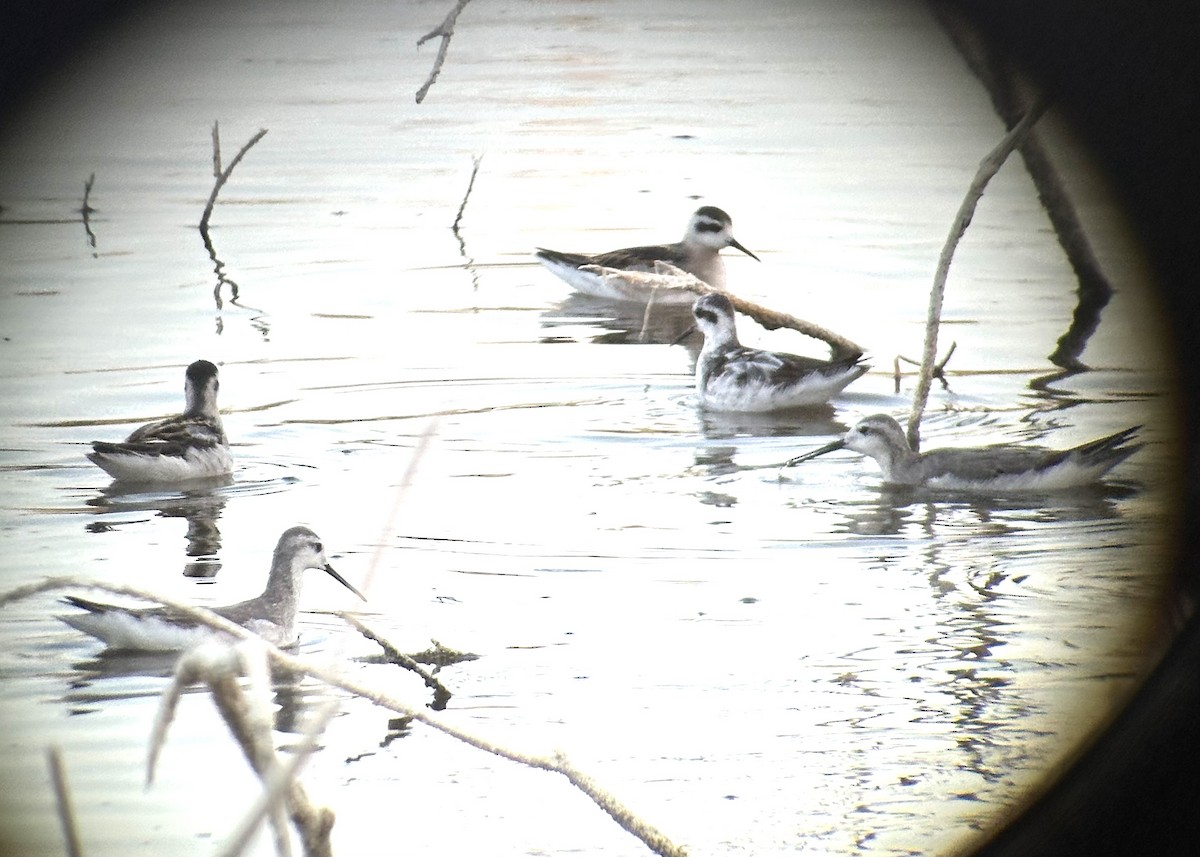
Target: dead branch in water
[(468, 260), (222, 175), (988, 167), (667, 277), (441, 695), (86, 210), (939, 369), (446, 31), (557, 763), (1012, 99)]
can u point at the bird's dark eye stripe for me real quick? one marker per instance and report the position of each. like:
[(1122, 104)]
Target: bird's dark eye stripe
[(707, 315), (708, 226)]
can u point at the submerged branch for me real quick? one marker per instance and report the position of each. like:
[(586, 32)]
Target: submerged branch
[(667, 277), (441, 695), (988, 167)]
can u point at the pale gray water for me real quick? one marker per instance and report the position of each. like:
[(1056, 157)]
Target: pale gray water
[(814, 665)]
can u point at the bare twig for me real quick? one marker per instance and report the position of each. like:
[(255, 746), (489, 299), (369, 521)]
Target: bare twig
[(329, 674), (441, 695), (462, 206), (988, 167), (62, 799), (86, 210), (446, 31), (222, 176), (939, 369), (468, 260)]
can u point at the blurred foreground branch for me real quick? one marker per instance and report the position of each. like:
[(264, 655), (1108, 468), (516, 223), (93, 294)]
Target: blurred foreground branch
[(331, 675)]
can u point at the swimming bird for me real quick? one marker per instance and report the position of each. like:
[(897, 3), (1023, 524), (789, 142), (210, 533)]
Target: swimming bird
[(190, 445), (271, 615), (1002, 467), (709, 231), (732, 377)]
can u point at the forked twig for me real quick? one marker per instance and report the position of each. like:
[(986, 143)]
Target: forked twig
[(441, 695), (222, 175), (988, 167), (445, 30)]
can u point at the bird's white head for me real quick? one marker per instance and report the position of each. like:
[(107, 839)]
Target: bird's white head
[(714, 318), (713, 228)]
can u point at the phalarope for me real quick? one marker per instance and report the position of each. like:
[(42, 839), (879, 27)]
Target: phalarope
[(190, 445), (708, 232), (1003, 467), (271, 615), (732, 377)]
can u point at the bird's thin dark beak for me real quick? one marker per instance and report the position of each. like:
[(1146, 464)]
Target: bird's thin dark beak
[(329, 570), (829, 447), (678, 339), (733, 242)]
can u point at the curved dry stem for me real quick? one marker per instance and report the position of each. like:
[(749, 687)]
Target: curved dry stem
[(988, 167)]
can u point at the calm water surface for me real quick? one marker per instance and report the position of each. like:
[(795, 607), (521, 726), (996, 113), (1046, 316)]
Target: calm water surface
[(756, 665)]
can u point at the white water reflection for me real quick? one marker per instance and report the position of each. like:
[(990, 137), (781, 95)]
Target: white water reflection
[(812, 664)]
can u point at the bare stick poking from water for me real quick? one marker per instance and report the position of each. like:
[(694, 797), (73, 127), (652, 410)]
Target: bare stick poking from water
[(445, 30), (462, 206), (86, 210), (62, 798), (222, 175), (939, 369), (988, 167), (468, 260)]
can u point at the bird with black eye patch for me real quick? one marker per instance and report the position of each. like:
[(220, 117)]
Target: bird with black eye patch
[(190, 445), (709, 231), (732, 377), (1000, 468)]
